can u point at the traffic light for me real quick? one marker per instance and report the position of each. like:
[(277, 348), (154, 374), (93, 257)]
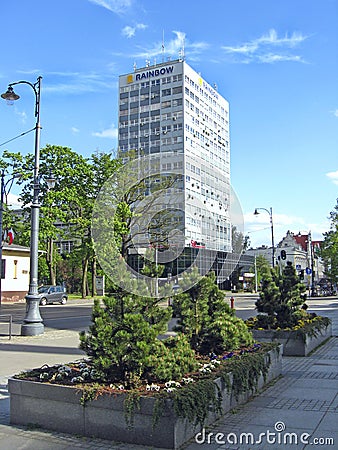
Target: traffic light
[(301, 274), (283, 254)]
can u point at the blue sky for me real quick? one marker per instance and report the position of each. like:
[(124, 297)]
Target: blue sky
[(276, 62)]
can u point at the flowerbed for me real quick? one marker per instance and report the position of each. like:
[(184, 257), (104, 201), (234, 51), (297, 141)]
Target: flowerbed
[(70, 399), (300, 340)]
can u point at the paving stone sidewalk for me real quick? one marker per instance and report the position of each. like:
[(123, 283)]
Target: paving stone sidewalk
[(302, 405)]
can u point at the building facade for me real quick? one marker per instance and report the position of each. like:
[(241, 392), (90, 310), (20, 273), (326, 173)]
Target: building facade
[(15, 272), (301, 251), (169, 112)]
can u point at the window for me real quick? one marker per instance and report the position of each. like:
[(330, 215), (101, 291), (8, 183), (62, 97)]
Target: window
[(166, 116), (177, 77), (177, 127), (177, 115), (166, 129), (177, 90), (166, 104), (177, 102), (166, 80), (3, 268), (177, 140), (125, 89), (166, 141), (166, 92)]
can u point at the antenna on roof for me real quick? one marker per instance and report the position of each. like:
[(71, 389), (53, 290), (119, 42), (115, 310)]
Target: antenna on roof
[(181, 52), (162, 45), (135, 66), (147, 62)]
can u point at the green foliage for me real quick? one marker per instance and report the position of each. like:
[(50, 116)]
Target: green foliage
[(225, 332), (196, 399), (70, 202), (206, 319), (174, 358), (123, 344), (246, 371), (281, 298), (262, 265), (329, 248), (118, 346)]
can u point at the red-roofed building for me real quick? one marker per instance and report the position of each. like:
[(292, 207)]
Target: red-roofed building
[(301, 251)]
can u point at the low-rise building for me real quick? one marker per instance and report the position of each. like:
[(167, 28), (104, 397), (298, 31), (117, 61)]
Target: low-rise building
[(301, 251), (15, 272)]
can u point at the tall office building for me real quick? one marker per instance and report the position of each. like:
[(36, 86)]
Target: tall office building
[(169, 111)]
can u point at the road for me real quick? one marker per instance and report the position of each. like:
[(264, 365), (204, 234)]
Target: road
[(72, 316)]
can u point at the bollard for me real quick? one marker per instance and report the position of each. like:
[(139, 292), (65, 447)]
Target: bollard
[(232, 302)]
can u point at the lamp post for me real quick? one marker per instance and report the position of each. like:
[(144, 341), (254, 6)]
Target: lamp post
[(269, 211), (32, 324), (310, 258)]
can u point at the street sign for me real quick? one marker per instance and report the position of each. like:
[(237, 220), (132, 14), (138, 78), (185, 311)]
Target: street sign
[(298, 267), (308, 271)]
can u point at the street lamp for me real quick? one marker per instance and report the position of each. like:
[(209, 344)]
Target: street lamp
[(272, 237), (32, 324)]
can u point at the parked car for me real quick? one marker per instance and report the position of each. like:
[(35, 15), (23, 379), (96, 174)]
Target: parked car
[(52, 294)]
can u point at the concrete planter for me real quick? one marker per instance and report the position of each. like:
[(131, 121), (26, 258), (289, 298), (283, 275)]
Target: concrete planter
[(58, 408), (294, 343)]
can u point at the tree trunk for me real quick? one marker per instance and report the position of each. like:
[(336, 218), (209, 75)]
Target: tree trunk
[(84, 277), (50, 261), (94, 276)]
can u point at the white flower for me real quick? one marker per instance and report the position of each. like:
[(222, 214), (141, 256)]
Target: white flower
[(171, 389), (121, 387), (187, 380), (44, 376)]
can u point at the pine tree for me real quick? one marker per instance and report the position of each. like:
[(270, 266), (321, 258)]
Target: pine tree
[(206, 319), (281, 298)]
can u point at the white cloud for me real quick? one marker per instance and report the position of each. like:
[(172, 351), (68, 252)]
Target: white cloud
[(13, 201), (115, 6), (173, 47), (258, 227), (73, 83), (75, 130), (110, 133), (262, 48), (22, 115), (335, 112), (333, 176), (129, 31), (272, 38), (272, 58)]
